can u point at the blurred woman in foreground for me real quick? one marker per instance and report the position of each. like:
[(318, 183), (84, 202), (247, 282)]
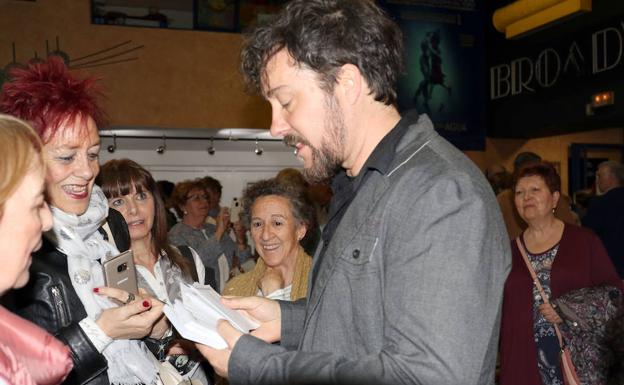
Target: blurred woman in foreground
[(28, 354)]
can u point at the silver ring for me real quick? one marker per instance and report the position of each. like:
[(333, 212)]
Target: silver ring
[(130, 298)]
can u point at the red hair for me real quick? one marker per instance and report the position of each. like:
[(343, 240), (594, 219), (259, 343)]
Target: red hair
[(544, 170), (46, 95)]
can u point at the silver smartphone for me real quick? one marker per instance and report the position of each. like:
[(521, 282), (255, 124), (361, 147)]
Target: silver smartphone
[(120, 272), (235, 210)]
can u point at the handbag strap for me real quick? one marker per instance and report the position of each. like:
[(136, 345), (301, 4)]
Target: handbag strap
[(538, 285)]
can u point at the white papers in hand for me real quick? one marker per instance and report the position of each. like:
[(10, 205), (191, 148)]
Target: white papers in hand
[(195, 316), (191, 329)]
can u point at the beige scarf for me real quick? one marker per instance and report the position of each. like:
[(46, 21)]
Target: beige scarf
[(247, 284)]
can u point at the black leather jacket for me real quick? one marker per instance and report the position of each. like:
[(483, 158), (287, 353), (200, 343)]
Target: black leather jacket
[(49, 300)]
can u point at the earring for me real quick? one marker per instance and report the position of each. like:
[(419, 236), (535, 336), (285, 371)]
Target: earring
[(553, 210), (184, 212)]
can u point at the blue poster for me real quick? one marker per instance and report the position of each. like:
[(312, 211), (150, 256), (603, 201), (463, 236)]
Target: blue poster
[(445, 58)]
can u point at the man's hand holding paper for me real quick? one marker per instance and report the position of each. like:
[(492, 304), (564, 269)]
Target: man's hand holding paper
[(265, 311), (196, 316)]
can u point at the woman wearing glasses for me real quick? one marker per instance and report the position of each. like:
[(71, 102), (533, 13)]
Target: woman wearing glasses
[(212, 242)]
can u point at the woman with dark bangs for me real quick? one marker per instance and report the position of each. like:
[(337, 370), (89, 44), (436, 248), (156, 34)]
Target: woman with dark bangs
[(66, 294), (161, 267)]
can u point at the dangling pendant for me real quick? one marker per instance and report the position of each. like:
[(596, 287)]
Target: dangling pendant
[(82, 276)]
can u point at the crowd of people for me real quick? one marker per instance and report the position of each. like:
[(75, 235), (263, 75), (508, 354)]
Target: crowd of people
[(413, 270)]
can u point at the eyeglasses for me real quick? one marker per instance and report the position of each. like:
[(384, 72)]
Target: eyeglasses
[(197, 197)]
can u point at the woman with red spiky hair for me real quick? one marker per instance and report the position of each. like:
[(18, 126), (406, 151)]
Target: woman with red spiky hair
[(66, 294)]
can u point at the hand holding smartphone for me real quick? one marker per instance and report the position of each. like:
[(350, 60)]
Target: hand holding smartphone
[(235, 210), (120, 272)]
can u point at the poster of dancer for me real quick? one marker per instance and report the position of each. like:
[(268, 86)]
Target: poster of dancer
[(432, 75), (445, 66)]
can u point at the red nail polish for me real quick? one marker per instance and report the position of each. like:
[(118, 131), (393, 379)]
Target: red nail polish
[(146, 304), (96, 289)]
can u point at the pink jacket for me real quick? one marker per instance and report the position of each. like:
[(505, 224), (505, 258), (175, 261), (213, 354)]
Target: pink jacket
[(29, 355)]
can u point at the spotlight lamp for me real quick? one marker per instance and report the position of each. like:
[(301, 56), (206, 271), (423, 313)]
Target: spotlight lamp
[(602, 101), (111, 148), (163, 147), (211, 149), (258, 150)]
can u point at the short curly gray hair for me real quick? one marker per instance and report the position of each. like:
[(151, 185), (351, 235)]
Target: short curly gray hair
[(298, 202)]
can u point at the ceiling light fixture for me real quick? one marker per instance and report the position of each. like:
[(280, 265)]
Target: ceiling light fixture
[(211, 149), (163, 147), (258, 150), (113, 146)]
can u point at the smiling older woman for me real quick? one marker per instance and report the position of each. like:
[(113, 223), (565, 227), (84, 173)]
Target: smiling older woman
[(565, 257), (275, 213), (66, 295)]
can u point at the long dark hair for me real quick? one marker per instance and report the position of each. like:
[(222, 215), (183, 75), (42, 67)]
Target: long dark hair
[(117, 178)]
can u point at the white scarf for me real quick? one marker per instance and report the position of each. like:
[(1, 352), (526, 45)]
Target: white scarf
[(129, 361)]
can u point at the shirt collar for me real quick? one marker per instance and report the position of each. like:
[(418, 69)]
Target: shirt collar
[(383, 155), (380, 159)]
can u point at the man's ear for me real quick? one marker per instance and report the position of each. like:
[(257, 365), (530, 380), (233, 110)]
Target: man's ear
[(350, 82)]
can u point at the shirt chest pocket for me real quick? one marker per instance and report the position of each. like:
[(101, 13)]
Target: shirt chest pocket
[(361, 256)]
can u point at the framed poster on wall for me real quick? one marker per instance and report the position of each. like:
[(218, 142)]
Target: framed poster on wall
[(444, 45), (219, 15), (253, 12), (233, 15)]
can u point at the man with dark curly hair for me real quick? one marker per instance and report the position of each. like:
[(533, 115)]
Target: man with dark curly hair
[(407, 283)]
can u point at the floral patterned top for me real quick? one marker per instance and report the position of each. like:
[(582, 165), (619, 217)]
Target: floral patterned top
[(548, 356)]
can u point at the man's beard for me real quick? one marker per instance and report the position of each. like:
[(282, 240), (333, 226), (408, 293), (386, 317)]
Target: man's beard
[(327, 159)]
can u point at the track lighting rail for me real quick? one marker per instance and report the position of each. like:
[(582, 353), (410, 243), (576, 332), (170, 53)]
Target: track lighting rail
[(223, 134), (162, 136)]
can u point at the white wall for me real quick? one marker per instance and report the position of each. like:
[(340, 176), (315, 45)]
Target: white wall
[(234, 169)]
